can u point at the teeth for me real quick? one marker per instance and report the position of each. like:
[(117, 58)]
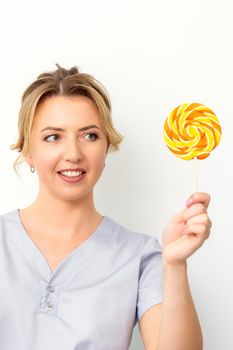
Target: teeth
[(71, 173)]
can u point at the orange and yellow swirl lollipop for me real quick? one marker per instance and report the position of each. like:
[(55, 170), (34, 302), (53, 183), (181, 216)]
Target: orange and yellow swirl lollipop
[(192, 130)]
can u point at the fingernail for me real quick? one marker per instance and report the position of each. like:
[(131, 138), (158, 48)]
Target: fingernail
[(189, 201)]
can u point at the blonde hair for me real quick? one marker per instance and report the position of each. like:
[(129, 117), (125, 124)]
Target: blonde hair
[(66, 82)]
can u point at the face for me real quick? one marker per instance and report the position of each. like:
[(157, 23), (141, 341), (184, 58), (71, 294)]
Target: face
[(54, 150)]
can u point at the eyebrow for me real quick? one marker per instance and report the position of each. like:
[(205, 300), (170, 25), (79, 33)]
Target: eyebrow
[(60, 129)]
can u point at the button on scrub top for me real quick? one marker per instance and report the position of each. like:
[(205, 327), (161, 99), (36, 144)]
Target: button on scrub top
[(93, 299)]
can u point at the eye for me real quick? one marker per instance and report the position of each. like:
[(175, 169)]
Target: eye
[(93, 134), (47, 137)]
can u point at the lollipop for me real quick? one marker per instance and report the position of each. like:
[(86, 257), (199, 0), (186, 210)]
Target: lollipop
[(192, 130)]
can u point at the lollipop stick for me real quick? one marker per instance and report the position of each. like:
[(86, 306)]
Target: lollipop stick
[(196, 174)]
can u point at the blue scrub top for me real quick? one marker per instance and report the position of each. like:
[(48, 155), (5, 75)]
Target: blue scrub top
[(93, 299)]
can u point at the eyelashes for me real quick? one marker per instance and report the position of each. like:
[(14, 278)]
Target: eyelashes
[(57, 135)]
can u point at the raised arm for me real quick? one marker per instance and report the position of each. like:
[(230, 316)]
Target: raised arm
[(174, 325)]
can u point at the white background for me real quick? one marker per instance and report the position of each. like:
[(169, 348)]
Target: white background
[(151, 56)]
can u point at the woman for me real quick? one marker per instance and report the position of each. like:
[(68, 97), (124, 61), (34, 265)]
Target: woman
[(71, 277)]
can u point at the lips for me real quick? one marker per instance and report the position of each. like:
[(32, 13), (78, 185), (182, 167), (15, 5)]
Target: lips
[(76, 169), (72, 179)]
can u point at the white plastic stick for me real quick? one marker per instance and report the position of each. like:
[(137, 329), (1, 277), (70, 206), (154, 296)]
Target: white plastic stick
[(196, 174)]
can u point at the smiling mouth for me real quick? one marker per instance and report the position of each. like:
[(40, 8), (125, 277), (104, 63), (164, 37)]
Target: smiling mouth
[(72, 175)]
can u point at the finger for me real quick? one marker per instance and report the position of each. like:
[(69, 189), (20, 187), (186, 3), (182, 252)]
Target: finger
[(188, 213), (198, 229), (198, 197), (199, 219)]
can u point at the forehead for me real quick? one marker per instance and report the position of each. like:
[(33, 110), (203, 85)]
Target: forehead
[(66, 109)]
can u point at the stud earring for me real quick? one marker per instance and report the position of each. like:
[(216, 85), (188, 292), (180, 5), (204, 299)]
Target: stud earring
[(32, 168)]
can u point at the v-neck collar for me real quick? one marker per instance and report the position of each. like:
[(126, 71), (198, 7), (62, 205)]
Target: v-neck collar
[(72, 262)]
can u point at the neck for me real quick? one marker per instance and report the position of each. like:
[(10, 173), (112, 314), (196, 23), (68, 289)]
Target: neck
[(64, 219)]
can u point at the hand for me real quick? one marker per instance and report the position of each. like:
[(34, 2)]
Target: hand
[(187, 230)]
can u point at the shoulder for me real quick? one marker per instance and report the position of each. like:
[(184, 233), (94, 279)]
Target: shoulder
[(7, 219), (128, 236), (8, 215)]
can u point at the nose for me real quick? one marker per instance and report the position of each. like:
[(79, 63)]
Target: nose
[(73, 152)]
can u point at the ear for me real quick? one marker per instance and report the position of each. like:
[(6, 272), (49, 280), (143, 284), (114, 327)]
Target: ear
[(28, 159)]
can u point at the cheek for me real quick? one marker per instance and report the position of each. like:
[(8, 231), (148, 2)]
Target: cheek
[(97, 160), (45, 161)]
